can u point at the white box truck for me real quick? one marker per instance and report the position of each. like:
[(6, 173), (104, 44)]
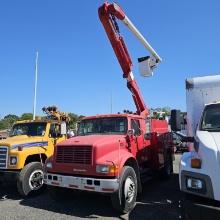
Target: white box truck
[(199, 171)]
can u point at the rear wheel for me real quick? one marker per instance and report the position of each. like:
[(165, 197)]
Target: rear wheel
[(125, 198), (30, 179)]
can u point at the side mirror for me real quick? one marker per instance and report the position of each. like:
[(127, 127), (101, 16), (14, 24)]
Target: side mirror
[(53, 135), (175, 120), (147, 136), (130, 132), (63, 128), (70, 134)]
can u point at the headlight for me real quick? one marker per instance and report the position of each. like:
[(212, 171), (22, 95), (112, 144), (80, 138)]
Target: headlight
[(49, 165), (106, 168), (196, 184), (13, 160)]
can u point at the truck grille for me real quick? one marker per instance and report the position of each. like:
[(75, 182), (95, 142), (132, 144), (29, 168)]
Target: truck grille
[(74, 154), (3, 157)]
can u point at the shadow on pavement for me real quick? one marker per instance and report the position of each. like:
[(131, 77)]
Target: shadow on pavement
[(84, 205), (8, 191), (160, 200), (200, 208)]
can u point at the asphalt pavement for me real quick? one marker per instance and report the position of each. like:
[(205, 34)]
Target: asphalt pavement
[(160, 200)]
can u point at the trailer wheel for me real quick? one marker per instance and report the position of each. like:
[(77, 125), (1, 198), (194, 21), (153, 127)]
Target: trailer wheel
[(124, 199), (167, 170), (30, 179)]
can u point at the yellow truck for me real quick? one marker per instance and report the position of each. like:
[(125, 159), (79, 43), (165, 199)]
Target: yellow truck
[(29, 144)]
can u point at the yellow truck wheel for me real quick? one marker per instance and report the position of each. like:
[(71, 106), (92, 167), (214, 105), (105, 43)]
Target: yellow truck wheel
[(30, 179)]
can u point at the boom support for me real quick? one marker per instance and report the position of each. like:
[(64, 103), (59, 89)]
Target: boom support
[(53, 113), (108, 14)]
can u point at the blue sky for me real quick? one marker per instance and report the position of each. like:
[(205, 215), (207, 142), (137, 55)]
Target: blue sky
[(77, 66)]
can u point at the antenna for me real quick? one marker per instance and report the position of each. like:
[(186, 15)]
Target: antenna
[(35, 87)]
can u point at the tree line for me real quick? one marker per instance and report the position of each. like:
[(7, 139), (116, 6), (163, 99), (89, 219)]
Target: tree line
[(10, 119)]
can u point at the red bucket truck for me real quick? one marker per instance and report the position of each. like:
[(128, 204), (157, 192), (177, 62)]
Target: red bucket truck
[(115, 153)]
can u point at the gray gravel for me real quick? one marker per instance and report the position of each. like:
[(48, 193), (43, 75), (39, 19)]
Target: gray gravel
[(160, 200)]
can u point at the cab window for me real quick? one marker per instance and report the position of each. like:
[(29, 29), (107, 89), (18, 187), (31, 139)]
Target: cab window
[(135, 124), (148, 125), (55, 130), (29, 129)]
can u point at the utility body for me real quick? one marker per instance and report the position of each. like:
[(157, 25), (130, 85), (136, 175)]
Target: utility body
[(200, 167), (114, 153), (29, 144)]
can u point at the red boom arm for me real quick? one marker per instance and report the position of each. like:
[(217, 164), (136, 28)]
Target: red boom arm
[(107, 14)]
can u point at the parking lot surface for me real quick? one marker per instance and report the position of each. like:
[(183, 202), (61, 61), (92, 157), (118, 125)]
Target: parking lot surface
[(160, 200)]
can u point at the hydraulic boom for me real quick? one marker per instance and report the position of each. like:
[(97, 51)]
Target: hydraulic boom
[(108, 14)]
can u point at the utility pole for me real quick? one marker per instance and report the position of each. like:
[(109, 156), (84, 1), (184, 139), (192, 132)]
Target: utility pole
[(35, 86)]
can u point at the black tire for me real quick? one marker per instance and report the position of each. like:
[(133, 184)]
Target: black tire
[(167, 170), (120, 202), (30, 179)]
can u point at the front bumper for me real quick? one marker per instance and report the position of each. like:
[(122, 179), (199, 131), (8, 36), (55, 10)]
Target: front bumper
[(82, 183)]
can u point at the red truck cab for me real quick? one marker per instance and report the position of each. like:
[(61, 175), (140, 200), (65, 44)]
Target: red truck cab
[(95, 159)]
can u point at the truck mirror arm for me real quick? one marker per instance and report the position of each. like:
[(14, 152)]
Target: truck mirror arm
[(185, 138)]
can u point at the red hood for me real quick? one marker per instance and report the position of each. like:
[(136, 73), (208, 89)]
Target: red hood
[(92, 140), (104, 148)]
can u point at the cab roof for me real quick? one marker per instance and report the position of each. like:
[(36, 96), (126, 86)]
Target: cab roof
[(37, 120), (114, 116), (213, 103)]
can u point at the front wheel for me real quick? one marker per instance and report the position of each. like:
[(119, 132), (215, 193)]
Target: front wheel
[(30, 179), (124, 199)]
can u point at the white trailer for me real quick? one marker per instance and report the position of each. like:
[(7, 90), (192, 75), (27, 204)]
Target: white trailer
[(199, 171)]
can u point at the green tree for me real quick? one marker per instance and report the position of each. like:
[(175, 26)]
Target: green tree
[(3, 124), (10, 116), (10, 119), (26, 116), (74, 119), (167, 110)]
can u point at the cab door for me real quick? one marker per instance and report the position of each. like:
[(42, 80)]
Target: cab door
[(55, 135), (138, 141)]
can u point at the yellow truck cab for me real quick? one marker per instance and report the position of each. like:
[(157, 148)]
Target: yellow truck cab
[(29, 144)]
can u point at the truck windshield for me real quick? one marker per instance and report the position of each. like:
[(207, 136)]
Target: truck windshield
[(30, 129), (112, 125), (211, 118)]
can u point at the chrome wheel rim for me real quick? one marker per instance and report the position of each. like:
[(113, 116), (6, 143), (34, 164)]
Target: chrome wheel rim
[(36, 180), (129, 189)]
